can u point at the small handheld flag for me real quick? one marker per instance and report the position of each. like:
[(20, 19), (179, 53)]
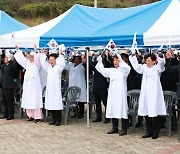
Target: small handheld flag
[(53, 44), (62, 47), (134, 45), (111, 46)]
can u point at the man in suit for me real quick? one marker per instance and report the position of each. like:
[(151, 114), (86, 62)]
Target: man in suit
[(7, 86), (100, 89), (169, 78)]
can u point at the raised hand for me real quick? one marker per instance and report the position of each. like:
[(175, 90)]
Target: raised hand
[(35, 48), (42, 50), (60, 51), (99, 59), (119, 57), (16, 47)]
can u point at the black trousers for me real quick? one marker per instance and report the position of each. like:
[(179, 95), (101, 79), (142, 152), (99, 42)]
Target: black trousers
[(8, 102), (115, 123), (81, 108), (152, 125), (100, 95), (56, 115)]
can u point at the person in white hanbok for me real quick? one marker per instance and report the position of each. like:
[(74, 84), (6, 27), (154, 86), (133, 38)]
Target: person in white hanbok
[(53, 97), (151, 101), (32, 94), (77, 78), (117, 106)]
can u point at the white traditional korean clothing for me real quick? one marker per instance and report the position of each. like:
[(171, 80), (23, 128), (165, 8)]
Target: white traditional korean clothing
[(117, 106), (53, 96), (77, 78), (32, 94), (151, 101)]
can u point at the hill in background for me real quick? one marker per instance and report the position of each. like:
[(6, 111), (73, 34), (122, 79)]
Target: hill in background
[(34, 12)]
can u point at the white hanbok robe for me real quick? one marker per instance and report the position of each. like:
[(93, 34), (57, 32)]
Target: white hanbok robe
[(117, 106), (151, 101), (77, 78), (32, 94), (53, 96)]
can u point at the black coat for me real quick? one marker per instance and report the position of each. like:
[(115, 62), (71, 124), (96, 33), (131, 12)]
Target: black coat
[(169, 77), (177, 70), (133, 79), (7, 76), (99, 80)]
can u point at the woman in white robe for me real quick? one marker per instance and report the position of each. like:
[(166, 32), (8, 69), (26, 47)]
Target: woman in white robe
[(53, 97), (77, 78), (117, 106), (151, 101), (32, 94)]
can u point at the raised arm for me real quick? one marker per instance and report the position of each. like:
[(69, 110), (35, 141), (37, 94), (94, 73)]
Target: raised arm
[(60, 61), (100, 68), (137, 67), (37, 57), (123, 66), (23, 61), (161, 64), (45, 65)]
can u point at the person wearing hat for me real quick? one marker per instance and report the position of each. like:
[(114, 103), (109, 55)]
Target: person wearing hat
[(32, 94), (77, 78), (117, 106), (53, 97), (7, 86)]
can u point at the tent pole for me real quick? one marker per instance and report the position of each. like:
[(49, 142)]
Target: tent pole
[(87, 79), (95, 3)]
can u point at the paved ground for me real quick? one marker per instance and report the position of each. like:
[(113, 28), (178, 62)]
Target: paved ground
[(20, 136)]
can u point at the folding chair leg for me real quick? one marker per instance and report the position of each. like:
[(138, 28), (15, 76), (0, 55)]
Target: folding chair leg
[(169, 126), (66, 111), (133, 123), (76, 111)]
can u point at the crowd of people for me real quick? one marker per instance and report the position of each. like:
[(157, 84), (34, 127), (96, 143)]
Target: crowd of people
[(113, 75)]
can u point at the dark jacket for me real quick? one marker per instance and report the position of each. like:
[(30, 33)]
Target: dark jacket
[(177, 70), (133, 79), (169, 77), (7, 76), (99, 80)]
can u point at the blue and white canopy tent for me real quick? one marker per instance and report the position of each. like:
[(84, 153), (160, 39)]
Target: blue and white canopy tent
[(9, 24), (87, 26)]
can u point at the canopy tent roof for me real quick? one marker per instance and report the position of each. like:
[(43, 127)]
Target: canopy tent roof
[(88, 26), (9, 24)]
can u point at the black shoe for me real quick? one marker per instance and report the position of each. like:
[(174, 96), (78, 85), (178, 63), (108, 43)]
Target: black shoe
[(97, 120), (37, 120), (122, 133), (113, 131), (10, 118), (3, 117), (57, 124), (106, 121), (80, 116), (147, 135), (30, 119), (155, 136), (138, 124), (52, 122)]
